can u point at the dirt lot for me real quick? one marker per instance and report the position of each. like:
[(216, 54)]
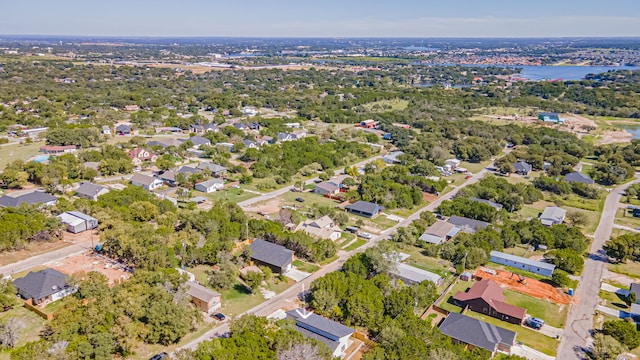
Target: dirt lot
[(531, 287), (90, 262), (271, 206)]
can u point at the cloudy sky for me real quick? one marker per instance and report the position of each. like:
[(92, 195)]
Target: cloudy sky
[(330, 18)]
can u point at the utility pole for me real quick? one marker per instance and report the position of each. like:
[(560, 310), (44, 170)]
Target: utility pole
[(464, 261)]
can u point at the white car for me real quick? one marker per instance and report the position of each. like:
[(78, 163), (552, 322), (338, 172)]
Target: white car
[(364, 235)]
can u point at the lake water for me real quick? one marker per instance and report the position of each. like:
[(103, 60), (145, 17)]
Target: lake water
[(566, 72), (633, 129)]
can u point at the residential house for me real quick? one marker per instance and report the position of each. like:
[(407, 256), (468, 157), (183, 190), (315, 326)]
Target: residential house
[(198, 141), (33, 197), (225, 145), (46, 285), (249, 111), (439, 232), (552, 215), (338, 180), (579, 178), (255, 126), (216, 170), (203, 298), (147, 182), (250, 144), (364, 208), (165, 143), (635, 307), (412, 275), (77, 222), (210, 186), (268, 139), (91, 191), (522, 168), (211, 127), (188, 171), (140, 155), (292, 125), (106, 130), (335, 335), (368, 124), (282, 137), (262, 141), (486, 297), (168, 177), (52, 150), (477, 334), (536, 267), (469, 226), (196, 129), (550, 117), (123, 129), (241, 127), (452, 164), (323, 228), (168, 129), (326, 188), (277, 257), (392, 157), (487, 202), (299, 134)]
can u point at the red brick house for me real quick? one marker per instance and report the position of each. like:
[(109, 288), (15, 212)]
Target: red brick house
[(487, 297)]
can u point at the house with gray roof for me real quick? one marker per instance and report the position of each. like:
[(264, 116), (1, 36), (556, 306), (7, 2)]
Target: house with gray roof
[(91, 191), (412, 275), (42, 286), (282, 137), (552, 215), (204, 298), (165, 142), (35, 197), (494, 205), (215, 169), (364, 208), (250, 144), (335, 335), (198, 141), (522, 168), (147, 182), (188, 170), (476, 333), (123, 129), (469, 226), (77, 222), (210, 186), (579, 178), (439, 232), (325, 188), (392, 157), (169, 177), (277, 257), (536, 267)]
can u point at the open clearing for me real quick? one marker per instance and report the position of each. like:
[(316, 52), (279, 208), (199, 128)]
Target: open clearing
[(88, 262), (533, 287)]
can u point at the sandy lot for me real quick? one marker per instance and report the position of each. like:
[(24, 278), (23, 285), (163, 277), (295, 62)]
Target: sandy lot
[(87, 262), (531, 287), (271, 206)]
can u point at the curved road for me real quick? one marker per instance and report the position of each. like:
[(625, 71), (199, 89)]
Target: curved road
[(577, 334), (293, 292)]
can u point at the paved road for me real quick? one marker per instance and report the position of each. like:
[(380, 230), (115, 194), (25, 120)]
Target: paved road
[(577, 334), (56, 255), (289, 295), (286, 189)]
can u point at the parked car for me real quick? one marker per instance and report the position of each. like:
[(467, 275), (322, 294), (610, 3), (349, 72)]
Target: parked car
[(364, 235), (351, 229), (534, 323), (161, 356), (219, 316), (299, 199), (440, 217)]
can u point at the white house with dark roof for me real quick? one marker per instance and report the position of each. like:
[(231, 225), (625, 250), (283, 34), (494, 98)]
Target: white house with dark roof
[(335, 335), (147, 182), (90, 191), (467, 330), (552, 215), (210, 186), (46, 285), (277, 257), (198, 141)]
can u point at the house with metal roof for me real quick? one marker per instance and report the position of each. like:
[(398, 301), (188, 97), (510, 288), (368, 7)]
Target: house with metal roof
[(392, 157), (439, 232), (34, 197), (77, 222), (552, 215), (204, 298), (578, 177), (210, 186), (198, 141), (335, 335), (467, 330), (536, 267), (323, 228), (550, 117), (487, 297), (412, 275), (277, 257), (46, 285), (90, 191), (469, 226), (325, 188), (364, 208)]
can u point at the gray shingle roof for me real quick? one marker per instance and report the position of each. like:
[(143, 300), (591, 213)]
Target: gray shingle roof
[(142, 179), (211, 182), (200, 292), (89, 189), (578, 177), (270, 253), (494, 205), (363, 207), (327, 186), (522, 166), (318, 324), (31, 198), (466, 224), (199, 140), (40, 284), (214, 168), (475, 332)]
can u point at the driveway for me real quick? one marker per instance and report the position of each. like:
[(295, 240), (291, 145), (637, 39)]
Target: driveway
[(296, 275), (529, 353), (613, 312)]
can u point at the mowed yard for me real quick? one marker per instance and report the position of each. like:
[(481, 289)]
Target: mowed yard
[(10, 153)]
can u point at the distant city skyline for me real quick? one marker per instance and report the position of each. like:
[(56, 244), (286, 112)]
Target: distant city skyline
[(330, 18)]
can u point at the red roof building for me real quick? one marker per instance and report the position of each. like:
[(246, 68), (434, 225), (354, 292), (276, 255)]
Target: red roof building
[(487, 297), (57, 149)]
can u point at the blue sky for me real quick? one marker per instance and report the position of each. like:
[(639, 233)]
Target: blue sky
[(331, 18)]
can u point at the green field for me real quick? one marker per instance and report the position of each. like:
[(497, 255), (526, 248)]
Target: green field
[(418, 259), (310, 200), (232, 195), (386, 105), (304, 266), (553, 314), (613, 300), (356, 244), (630, 268), (9, 153)]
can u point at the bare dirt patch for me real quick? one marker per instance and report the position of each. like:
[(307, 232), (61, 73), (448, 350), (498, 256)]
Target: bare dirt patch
[(88, 262), (530, 287), (615, 136), (271, 206)]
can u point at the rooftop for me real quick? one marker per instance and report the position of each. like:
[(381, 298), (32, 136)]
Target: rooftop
[(40, 284), (270, 253), (475, 332), (415, 274), (319, 325), (31, 198), (200, 292), (522, 260)]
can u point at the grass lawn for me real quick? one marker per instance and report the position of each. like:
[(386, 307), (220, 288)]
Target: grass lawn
[(310, 199), (447, 302), (231, 195), (523, 250), (613, 300), (526, 336), (9, 153), (630, 268), (531, 210), (580, 202), (624, 217), (418, 259), (405, 213), (304, 266), (383, 222), (475, 167), (356, 244), (200, 273), (386, 105), (552, 314), (33, 324), (239, 299)]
